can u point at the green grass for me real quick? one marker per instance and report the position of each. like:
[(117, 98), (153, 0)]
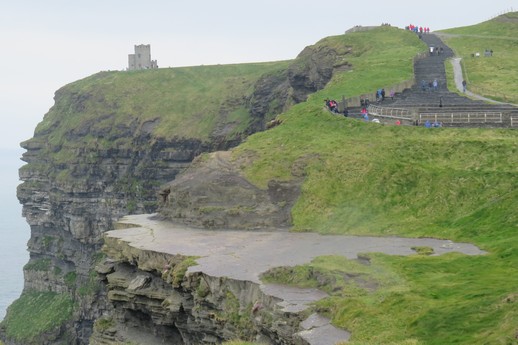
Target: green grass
[(38, 265), (367, 179), (380, 58), (360, 178), (492, 76), (186, 102), (35, 313)]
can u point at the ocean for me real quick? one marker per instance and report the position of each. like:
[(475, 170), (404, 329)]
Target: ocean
[(14, 230)]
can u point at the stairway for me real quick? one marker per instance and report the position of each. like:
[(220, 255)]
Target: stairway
[(441, 101)]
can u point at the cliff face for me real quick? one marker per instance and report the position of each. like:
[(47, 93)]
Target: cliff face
[(68, 214), (151, 295), (102, 152)]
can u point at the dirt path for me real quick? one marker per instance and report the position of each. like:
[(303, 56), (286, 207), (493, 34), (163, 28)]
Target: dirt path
[(245, 255)]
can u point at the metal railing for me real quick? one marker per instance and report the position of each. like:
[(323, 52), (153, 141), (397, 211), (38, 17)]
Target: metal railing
[(514, 120), (394, 113), (462, 117)]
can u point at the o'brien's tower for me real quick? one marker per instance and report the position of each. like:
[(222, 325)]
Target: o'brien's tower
[(141, 59)]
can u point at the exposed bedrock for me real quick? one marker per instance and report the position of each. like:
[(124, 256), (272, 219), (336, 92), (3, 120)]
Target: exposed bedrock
[(83, 173), (213, 194), (154, 301)]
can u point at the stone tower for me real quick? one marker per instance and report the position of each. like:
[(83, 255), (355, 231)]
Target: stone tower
[(141, 59)]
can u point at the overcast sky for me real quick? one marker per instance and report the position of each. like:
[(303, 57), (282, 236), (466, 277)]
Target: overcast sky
[(50, 43)]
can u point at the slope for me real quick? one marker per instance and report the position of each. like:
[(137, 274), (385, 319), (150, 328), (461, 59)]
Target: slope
[(491, 76), (361, 178)]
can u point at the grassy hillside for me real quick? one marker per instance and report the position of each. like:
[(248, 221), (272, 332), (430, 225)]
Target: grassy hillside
[(380, 57), (186, 101), (493, 77), (364, 178)]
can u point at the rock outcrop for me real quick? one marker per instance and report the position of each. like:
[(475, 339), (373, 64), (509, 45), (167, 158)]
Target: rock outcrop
[(154, 302), (213, 194), (93, 159)]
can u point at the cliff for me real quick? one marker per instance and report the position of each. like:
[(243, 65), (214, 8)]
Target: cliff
[(103, 150), (122, 143)]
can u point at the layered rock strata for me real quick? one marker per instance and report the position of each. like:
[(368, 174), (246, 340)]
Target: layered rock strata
[(84, 173)]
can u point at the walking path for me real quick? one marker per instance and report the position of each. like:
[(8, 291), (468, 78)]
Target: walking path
[(245, 255), (457, 72), (455, 109)]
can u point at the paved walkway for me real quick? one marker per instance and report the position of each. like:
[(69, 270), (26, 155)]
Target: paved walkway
[(245, 255), (457, 72)]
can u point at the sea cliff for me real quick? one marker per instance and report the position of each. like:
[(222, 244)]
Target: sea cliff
[(104, 150)]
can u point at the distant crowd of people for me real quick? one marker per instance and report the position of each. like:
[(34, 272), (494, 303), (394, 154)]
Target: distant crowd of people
[(429, 86), (435, 124), (436, 51), (332, 105), (418, 29)]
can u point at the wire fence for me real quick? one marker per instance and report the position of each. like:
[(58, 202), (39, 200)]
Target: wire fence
[(510, 9)]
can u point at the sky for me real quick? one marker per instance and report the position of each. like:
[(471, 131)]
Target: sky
[(48, 44)]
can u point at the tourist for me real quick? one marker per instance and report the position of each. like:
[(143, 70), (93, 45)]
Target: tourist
[(423, 85), (464, 86)]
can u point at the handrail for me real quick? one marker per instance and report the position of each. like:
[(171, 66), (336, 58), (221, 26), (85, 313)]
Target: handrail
[(395, 113), (463, 117)]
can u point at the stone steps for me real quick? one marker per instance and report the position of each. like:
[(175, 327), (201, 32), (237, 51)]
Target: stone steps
[(439, 101)]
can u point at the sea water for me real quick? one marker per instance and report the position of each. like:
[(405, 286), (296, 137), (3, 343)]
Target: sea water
[(14, 230)]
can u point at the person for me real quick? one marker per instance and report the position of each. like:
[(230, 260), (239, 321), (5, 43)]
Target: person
[(398, 123), (365, 114), (335, 107), (382, 94), (423, 85), (464, 86), (427, 124), (435, 84), (392, 93)]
